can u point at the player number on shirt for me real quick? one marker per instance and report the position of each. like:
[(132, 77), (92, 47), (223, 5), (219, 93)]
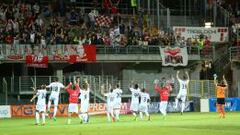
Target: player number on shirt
[(184, 86), (55, 89), (118, 95), (136, 95), (144, 99), (43, 96), (111, 99), (85, 96)]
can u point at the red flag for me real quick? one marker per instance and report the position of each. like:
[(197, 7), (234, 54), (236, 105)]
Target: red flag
[(84, 53), (72, 59), (37, 61), (90, 51)]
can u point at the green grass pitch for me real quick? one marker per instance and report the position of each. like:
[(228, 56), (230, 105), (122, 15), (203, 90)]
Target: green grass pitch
[(174, 124)]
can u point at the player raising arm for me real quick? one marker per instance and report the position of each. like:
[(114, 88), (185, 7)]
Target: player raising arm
[(143, 107), (73, 90), (221, 88), (182, 94), (110, 103), (117, 101), (41, 103), (54, 96), (164, 89), (135, 100), (84, 96)]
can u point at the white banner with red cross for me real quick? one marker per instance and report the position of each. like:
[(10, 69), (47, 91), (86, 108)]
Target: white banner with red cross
[(214, 34), (176, 56)]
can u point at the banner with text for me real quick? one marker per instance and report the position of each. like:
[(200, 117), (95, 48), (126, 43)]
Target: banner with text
[(231, 104), (214, 34), (74, 53), (37, 61), (5, 111), (176, 56), (94, 109)]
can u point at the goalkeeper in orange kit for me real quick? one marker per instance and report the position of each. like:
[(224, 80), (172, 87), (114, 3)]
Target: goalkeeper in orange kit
[(221, 88)]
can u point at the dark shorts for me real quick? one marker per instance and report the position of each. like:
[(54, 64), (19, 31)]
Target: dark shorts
[(221, 100)]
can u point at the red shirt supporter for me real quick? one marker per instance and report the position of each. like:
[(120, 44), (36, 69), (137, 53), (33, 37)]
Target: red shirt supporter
[(73, 94), (163, 91)]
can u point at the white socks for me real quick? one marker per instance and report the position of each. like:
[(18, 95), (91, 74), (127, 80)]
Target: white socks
[(37, 117)]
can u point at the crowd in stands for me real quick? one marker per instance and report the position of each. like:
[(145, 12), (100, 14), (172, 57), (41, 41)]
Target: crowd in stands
[(59, 23), (33, 23)]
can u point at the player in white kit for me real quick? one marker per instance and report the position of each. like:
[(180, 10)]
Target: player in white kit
[(110, 103), (143, 107), (84, 97), (117, 101), (41, 104), (54, 96), (182, 94), (135, 100)]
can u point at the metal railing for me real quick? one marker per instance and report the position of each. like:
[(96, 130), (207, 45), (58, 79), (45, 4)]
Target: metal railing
[(100, 85), (234, 53), (196, 88), (18, 52), (5, 89)]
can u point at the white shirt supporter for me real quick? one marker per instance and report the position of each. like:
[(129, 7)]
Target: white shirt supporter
[(183, 86), (135, 95), (55, 87), (118, 95), (144, 98), (41, 94), (84, 95)]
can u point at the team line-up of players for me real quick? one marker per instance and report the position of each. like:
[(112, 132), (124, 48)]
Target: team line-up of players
[(163, 87)]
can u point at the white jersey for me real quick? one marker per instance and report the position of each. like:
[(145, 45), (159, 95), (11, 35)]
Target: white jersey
[(144, 98), (110, 98), (84, 95), (118, 95), (135, 95), (183, 86), (41, 94), (55, 87)]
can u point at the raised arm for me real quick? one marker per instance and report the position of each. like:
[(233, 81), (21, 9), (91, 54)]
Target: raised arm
[(215, 79), (225, 81), (187, 76), (177, 75), (68, 86), (157, 88)]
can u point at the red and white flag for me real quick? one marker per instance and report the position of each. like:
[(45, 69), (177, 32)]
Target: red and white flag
[(176, 56), (102, 20), (84, 53), (37, 61)]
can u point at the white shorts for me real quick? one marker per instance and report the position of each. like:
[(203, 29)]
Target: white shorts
[(182, 96), (117, 105), (134, 107), (109, 108), (73, 108), (41, 107), (163, 105), (84, 107), (54, 99), (143, 108)]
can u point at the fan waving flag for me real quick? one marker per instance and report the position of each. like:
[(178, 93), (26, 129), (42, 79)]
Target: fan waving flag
[(102, 20)]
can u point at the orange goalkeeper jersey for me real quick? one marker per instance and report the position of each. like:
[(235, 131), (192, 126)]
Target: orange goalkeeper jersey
[(220, 91)]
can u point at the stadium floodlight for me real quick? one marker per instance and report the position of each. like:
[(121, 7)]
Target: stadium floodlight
[(208, 24)]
